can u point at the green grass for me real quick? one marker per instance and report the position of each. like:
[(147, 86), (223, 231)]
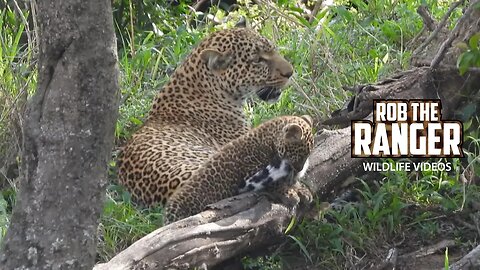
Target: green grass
[(399, 204), (340, 47), (17, 82), (123, 223)]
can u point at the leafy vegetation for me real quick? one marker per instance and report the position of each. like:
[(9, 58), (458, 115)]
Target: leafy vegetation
[(471, 57), (388, 209), (347, 44), (17, 81)]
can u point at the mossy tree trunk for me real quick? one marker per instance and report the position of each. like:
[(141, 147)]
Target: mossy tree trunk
[(68, 136)]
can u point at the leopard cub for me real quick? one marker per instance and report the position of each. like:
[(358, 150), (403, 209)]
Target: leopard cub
[(286, 140)]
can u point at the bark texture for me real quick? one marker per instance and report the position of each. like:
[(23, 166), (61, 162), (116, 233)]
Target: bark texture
[(470, 261), (68, 136)]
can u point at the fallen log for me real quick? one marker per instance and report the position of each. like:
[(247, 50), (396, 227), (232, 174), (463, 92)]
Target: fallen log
[(235, 225), (470, 261), (250, 221)]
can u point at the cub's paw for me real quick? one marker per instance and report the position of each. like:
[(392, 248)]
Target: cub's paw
[(292, 196), (283, 195), (305, 194)]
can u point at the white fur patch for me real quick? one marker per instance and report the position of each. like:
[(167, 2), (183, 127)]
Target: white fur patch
[(304, 170), (279, 173), (274, 173)]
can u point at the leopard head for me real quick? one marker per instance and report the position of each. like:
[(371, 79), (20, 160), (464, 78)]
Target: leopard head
[(296, 141), (242, 62)]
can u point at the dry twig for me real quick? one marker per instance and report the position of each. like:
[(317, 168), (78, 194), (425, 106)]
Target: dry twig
[(428, 21), (453, 34), (425, 251), (439, 27)]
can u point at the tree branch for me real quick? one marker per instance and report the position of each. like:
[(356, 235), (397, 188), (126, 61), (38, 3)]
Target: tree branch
[(453, 34), (423, 12), (470, 261)]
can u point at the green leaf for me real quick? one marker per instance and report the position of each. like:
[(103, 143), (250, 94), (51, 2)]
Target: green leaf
[(360, 4), (473, 42), (290, 225), (462, 46), (469, 111), (344, 13), (301, 19), (295, 9), (135, 120), (385, 58), (464, 61), (389, 29), (467, 124), (447, 265)]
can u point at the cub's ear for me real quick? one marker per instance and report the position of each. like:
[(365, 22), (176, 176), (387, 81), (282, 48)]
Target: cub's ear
[(292, 133), (242, 23), (215, 60), (308, 119)]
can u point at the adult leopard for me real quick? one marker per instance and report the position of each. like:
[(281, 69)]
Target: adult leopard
[(199, 110)]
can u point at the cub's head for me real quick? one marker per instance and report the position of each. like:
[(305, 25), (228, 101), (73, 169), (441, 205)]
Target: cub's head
[(241, 62), (296, 141)]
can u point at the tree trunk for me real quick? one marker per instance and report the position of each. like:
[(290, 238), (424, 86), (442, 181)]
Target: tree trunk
[(68, 136), (248, 222)]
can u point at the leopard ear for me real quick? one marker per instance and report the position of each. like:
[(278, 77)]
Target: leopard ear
[(215, 60), (308, 119), (292, 133)]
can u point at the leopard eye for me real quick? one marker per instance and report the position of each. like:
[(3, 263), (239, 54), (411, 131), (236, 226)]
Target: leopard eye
[(259, 59)]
